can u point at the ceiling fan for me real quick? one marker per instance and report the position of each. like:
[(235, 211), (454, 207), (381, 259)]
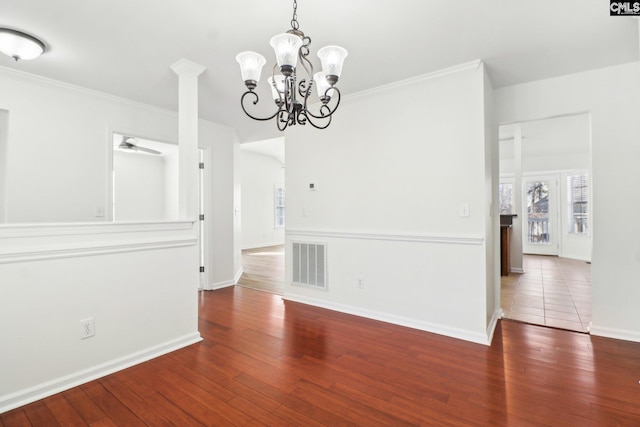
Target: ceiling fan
[(129, 143)]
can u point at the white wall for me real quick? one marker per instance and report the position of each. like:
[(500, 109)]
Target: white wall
[(611, 96), (260, 175), (392, 171), (132, 279), (139, 181), (59, 146), (4, 133), (492, 218), (137, 280), (220, 144)]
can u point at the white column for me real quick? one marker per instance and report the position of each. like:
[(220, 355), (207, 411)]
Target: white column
[(515, 255), (188, 73)]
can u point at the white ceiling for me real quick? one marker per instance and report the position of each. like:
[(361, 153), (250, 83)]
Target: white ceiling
[(125, 47), (273, 147)]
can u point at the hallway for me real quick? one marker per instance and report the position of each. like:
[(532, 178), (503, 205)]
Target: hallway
[(263, 269), (553, 291)]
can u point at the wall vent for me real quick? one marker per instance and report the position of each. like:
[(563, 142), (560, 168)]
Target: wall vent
[(310, 264)]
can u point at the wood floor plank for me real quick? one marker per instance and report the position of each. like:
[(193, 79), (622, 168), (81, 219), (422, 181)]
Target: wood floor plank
[(264, 361), (17, 418), (63, 411), (116, 410)]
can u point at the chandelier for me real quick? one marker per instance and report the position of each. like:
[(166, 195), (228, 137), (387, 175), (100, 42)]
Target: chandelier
[(293, 86)]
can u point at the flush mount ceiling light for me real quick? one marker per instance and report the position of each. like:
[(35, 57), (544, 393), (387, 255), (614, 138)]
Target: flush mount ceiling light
[(293, 86), (19, 45)]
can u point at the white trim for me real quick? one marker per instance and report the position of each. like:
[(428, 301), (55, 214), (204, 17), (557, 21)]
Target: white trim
[(49, 388), (421, 238), (516, 270), (238, 275), (31, 242), (478, 338), (619, 334), (493, 323), (84, 90), (220, 285), (472, 65), (85, 228), (263, 245), (80, 250)]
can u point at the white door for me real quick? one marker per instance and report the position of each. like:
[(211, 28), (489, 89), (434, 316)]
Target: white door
[(540, 213)]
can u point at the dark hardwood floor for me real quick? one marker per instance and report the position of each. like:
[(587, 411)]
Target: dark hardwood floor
[(266, 362)]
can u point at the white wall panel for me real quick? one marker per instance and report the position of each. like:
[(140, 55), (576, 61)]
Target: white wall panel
[(399, 161)]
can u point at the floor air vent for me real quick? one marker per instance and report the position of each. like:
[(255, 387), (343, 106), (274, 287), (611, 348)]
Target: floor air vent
[(309, 264)]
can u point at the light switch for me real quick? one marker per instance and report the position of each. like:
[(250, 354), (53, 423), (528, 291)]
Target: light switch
[(464, 210)]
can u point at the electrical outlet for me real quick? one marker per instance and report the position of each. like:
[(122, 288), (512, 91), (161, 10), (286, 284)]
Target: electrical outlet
[(87, 328)]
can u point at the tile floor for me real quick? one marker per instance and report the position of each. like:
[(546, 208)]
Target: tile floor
[(553, 291)]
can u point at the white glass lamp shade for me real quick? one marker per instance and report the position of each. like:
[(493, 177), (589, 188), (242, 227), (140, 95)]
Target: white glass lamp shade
[(286, 47), (322, 85), (251, 64), (332, 58), (278, 91), (19, 45)]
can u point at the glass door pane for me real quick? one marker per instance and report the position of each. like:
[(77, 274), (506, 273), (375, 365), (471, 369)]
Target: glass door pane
[(537, 193), (539, 230)]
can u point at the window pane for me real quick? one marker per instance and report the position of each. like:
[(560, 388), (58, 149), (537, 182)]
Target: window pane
[(578, 193), (505, 198)]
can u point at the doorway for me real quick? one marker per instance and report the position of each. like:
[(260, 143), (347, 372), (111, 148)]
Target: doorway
[(545, 172), (263, 214)]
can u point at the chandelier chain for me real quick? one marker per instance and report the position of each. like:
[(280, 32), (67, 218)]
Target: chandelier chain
[(294, 20)]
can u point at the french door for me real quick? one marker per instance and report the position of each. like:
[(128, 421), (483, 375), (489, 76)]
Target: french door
[(540, 215)]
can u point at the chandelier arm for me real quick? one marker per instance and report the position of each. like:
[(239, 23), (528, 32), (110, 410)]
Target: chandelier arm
[(317, 126), (325, 110), (281, 122), (255, 103)]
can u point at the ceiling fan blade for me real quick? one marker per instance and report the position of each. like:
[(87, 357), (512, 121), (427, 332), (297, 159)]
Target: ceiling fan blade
[(146, 150), (126, 146)]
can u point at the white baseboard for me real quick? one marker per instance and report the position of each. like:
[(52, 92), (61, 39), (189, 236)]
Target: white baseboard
[(462, 334), (263, 245), (491, 328), (238, 275), (220, 285), (40, 391), (619, 334)]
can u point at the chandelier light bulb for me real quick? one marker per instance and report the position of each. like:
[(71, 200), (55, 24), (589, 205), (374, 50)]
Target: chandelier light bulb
[(277, 86), (251, 64), (332, 59), (286, 47), (322, 86)]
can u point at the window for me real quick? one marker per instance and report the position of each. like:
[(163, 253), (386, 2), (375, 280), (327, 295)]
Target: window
[(505, 198), (279, 206), (577, 202)]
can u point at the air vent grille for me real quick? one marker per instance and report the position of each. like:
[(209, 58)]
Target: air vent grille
[(309, 264)]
